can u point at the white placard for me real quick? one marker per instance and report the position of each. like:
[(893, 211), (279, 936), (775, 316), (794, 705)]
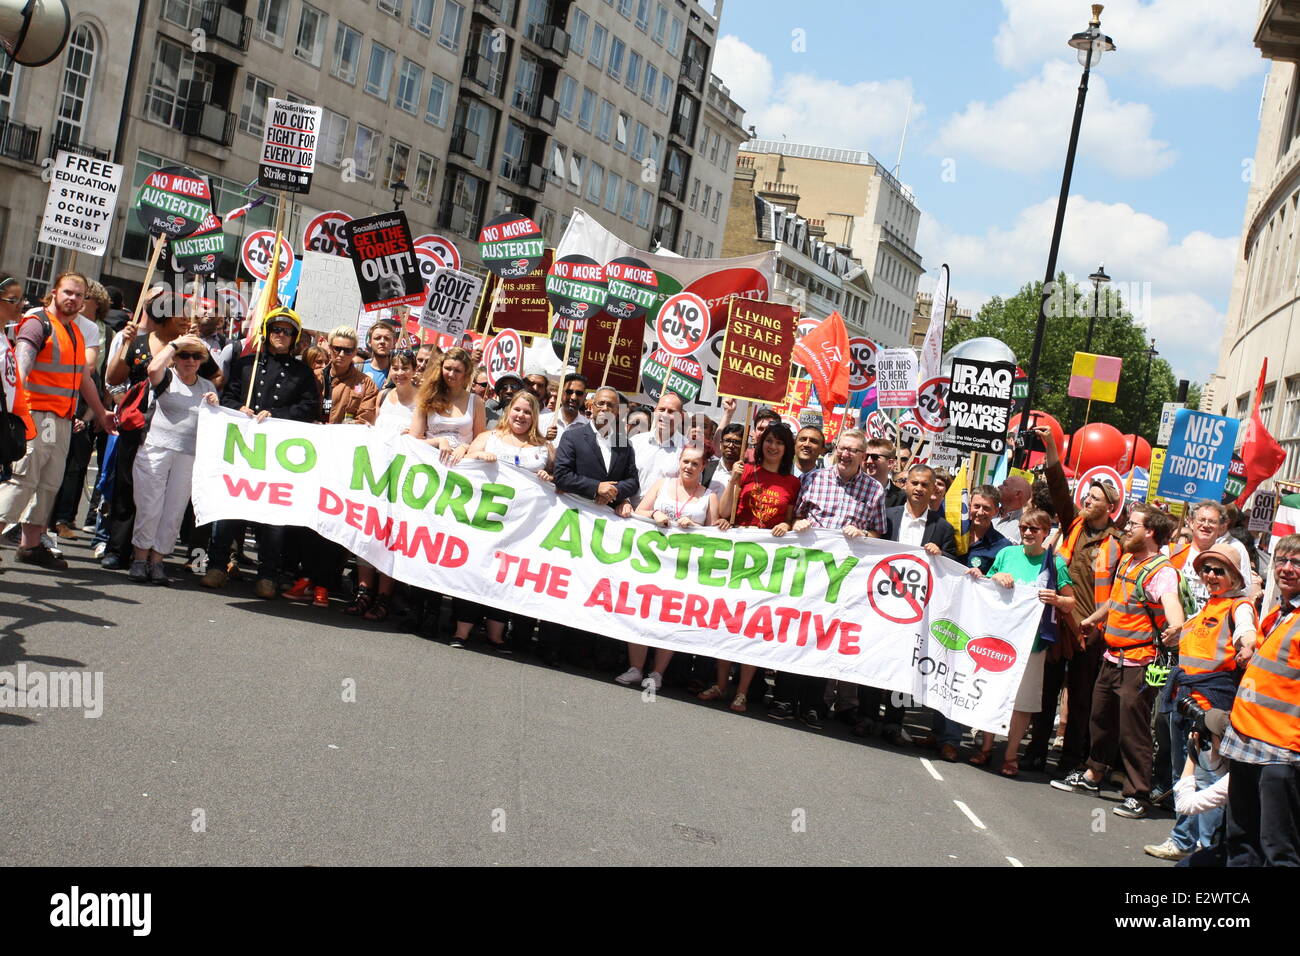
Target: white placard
[(453, 299), (897, 371), (288, 156), (79, 206), (327, 293), (1262, 508)]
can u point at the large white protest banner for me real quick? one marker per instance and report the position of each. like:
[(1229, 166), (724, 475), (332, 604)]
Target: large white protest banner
[(864, 611), (79, 206)]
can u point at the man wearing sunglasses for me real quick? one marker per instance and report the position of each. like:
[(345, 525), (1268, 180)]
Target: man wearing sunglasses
[(1263, 744), (881, 455), (568, 413), (269, 383)]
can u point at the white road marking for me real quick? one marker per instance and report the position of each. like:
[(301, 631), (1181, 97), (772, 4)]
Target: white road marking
[(969, 815), (1013, 861), (930, 767)]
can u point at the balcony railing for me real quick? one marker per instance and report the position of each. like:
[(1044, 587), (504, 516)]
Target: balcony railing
[(456, 218), (226, 24), (465, 143), (209, 121), (73, 146), (692, 72), (20, 142), (550, 37)]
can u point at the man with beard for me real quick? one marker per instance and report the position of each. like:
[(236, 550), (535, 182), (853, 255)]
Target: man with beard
[(569, 413)]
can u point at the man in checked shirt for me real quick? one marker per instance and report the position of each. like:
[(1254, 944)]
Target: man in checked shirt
[(844, 498)]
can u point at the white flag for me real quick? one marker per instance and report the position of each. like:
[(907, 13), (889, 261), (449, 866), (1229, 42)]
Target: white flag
[(932, 347)]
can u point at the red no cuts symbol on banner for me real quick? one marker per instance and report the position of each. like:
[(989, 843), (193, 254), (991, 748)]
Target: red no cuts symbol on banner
[(504, 356), (682, 324), (256, 253), (899, 588)]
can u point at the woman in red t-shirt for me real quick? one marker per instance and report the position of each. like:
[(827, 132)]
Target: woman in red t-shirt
[(763, 496)]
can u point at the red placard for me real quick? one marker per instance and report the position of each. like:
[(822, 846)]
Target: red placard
[(522, 304), (504, 354), (682, 324), (756, 349), (625, 366)]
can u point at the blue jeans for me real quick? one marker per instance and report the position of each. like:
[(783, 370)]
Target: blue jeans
[(1191, 831)]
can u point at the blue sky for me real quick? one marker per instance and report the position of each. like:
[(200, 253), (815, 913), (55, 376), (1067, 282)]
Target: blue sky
[(1158, 190)]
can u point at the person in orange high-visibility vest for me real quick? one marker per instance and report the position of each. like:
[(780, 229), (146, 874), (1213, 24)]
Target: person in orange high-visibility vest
[(52, 364), (1263, 744), (1144, 609), (1213, 645)]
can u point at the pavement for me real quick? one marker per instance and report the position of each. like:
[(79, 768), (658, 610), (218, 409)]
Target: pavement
[(239, 731)]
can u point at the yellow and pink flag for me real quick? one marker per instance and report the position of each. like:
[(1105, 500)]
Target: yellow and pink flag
[(1094, 377)]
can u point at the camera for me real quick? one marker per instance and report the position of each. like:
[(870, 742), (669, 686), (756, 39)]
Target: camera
[(1191, 710)]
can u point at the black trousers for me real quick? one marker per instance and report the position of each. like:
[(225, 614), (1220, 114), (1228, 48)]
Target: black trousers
[(74, 478), (471, 612), (801, 691), (322, 560), (1263, 814), (122, 515), (871, 699), (270, 545)]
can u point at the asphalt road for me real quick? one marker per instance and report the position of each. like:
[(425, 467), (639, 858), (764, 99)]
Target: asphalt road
[(226, 739)]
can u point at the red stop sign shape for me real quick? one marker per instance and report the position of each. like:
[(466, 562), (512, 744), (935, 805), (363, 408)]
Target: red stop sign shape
[(899, 588), (256, 253), (325, 234), (682, 324), (442, 247), (862, 363), (931, 404)]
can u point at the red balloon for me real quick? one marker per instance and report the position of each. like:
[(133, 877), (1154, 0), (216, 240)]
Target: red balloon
[(1097, 444), (1037, 418), (1137, 453)]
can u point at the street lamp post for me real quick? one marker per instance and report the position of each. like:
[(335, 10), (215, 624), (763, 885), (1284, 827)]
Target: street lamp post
[(1090, 44), (399, 192), (1146, 383), (1099, 278)]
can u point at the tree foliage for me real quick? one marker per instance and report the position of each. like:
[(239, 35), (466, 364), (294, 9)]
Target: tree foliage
[(1116, 332)]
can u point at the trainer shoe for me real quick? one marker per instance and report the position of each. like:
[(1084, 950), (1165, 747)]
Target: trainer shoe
[(1160, 796), (99, 550), (301, 590), (656, 679), (810, 718), (1132, 809), (264, 588), (1169, 850), (139, 572), (629, 678), (1077, 782), (158, 574), (321, 597), (112, 561), (65, 532), (40, 556), (47, 539), (215, 578), (781, 711)]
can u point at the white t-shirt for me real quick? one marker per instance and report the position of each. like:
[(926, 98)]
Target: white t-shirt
[(555, 418), (655, 460), (90, 332), (175, 421)]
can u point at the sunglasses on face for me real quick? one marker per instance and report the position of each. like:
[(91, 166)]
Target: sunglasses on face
[(872, 456), (1026, 528), (343, 349), (480, 384), (282, 330), (195, 356), (575, 391), (1213, 569)]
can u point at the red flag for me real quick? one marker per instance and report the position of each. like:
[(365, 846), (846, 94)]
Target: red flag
[(1262, 455), (824, 352)]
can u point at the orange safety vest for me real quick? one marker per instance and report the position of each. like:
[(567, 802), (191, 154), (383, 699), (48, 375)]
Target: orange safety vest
[(1129, 620), (1179, 558), (1103, 563), (54, 382), (1206, 644), (1267, 707)]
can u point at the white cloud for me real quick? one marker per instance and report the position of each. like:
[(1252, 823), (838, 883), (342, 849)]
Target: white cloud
[(1028, 129), (810, 109), (1171, 284), (1181, 43)]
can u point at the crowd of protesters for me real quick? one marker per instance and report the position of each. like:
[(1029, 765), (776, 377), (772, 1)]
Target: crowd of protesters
[(1151, 656)]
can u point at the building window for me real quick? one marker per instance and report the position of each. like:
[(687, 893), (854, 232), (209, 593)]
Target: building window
[(642, 15), (391, 7), (708, 254), (347, 53), (8, 85), (595, 182), (675, 37), (422, 188), (633, 80), (453, 15), (409, 81), (528, 82), (639, 141), (422, 17), (40, 266), (665, 93), (333, 134), (272, 18), (559, 165), (475, 128), (252, 112), (620, 132), (175, 77), (379, 74), (605, 124), (597, 55), (365, 148), (611, 192), (685, 250), (617, 48), (568, 92), (576, 165), (578, 33), (695, 193), (463, 198), (717, 205), (183, 12), (512, 151), (625, 8), (399, 156), (661, 24), (629, 200), (74, 94), (651, 83), (643, 209), (588, 110), (435, 108), (311, 35)]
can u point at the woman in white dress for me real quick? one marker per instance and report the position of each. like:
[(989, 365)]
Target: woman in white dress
[(516, 442), (395, 410), (681, 502), (448, 415)]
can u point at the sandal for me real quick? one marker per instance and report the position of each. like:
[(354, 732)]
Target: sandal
[(1010, 768), (360, 604), (714, 692), (738, 705), (379, 610), (980, 758)]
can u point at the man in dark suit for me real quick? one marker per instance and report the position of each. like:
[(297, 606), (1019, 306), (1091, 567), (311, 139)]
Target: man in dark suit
[(593, 461), (915, 524)]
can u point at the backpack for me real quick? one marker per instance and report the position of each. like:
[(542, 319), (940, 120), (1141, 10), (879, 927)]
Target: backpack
[(1157, 672)]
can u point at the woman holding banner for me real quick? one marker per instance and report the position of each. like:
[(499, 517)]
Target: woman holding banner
[(681, 502), (448, 415), (762, 496), (1030, 563), (515, 441)]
